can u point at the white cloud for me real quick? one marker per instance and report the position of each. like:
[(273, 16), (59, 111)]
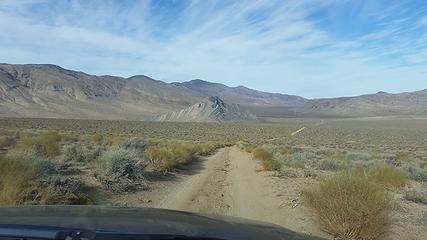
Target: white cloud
[(287, 51)]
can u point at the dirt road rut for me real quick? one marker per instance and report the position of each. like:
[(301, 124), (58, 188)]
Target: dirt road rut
[(231, 183)]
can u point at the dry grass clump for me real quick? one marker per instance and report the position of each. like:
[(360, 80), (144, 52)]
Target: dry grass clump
[(389, 177), (97, 138), (15, 181), (268, 162), (46, 144), (7, 141), (350, 206), (261, 154), (166, 156), (205, 149), (402, 156), (271, 165)]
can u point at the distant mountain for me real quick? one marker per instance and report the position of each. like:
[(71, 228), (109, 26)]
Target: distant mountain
[(241, 95), (41, 90), (211, 109), (378, 104), (44, 90)]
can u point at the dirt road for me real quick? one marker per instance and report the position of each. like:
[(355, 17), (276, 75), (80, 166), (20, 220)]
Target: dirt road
[(231, 183)]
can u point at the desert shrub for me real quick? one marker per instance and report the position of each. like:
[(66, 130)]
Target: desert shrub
[(160, 158), (135, 144), (271, 165), (286, 150), (204, 149), (122, 163), (350, 206), (417, 174), (415, 196), (122, 171), (261, 154), (330, 165), (387, 176), (7, 141), (183, 153), (73, 153), (15, 181), (44, 145), (97, 138), (352, 156), (250, 147), (50, 136), (64, 191), (94, 153), (402, 156)]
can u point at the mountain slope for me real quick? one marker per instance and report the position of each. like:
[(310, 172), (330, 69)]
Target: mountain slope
[(378, 104), (241, 95), (43, 90), (211, 109), (51, 91)]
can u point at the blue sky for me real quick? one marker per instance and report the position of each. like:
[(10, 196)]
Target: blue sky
[(314, 48)]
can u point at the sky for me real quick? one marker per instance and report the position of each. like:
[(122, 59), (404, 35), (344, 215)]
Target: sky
[(313, 48)]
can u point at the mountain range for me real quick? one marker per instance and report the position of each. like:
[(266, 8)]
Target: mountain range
[(44, 90)]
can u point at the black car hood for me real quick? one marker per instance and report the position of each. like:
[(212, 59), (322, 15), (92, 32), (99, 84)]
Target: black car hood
[(145, 221)]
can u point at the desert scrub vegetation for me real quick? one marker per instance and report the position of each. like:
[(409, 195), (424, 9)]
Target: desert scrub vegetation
[(165, 156), (388, 177), (261, 154), (416, 196), (417, 173), (121, 170), (331, 165), (46, 144), (271, 165), (16, 180), (268, 162), (97, 138), (28, 179), (73, 152), (350, 206)]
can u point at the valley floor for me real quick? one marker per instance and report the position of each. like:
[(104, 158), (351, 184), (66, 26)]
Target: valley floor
[(231, 183)]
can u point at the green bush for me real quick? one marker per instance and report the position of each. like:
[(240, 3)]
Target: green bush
[(350, 206), (121, 163)]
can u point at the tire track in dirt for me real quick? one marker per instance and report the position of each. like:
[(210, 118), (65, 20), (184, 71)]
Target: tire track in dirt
[(232, 184)]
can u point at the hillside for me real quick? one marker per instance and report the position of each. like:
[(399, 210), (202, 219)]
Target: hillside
[(378, 104), (241, 95), (211, 109), (44, 90)]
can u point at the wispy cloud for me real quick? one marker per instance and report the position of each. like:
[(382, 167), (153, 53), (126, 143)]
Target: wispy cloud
[(314, 48)]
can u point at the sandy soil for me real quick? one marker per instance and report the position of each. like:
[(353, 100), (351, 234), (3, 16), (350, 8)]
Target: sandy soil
[(231, 183)]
